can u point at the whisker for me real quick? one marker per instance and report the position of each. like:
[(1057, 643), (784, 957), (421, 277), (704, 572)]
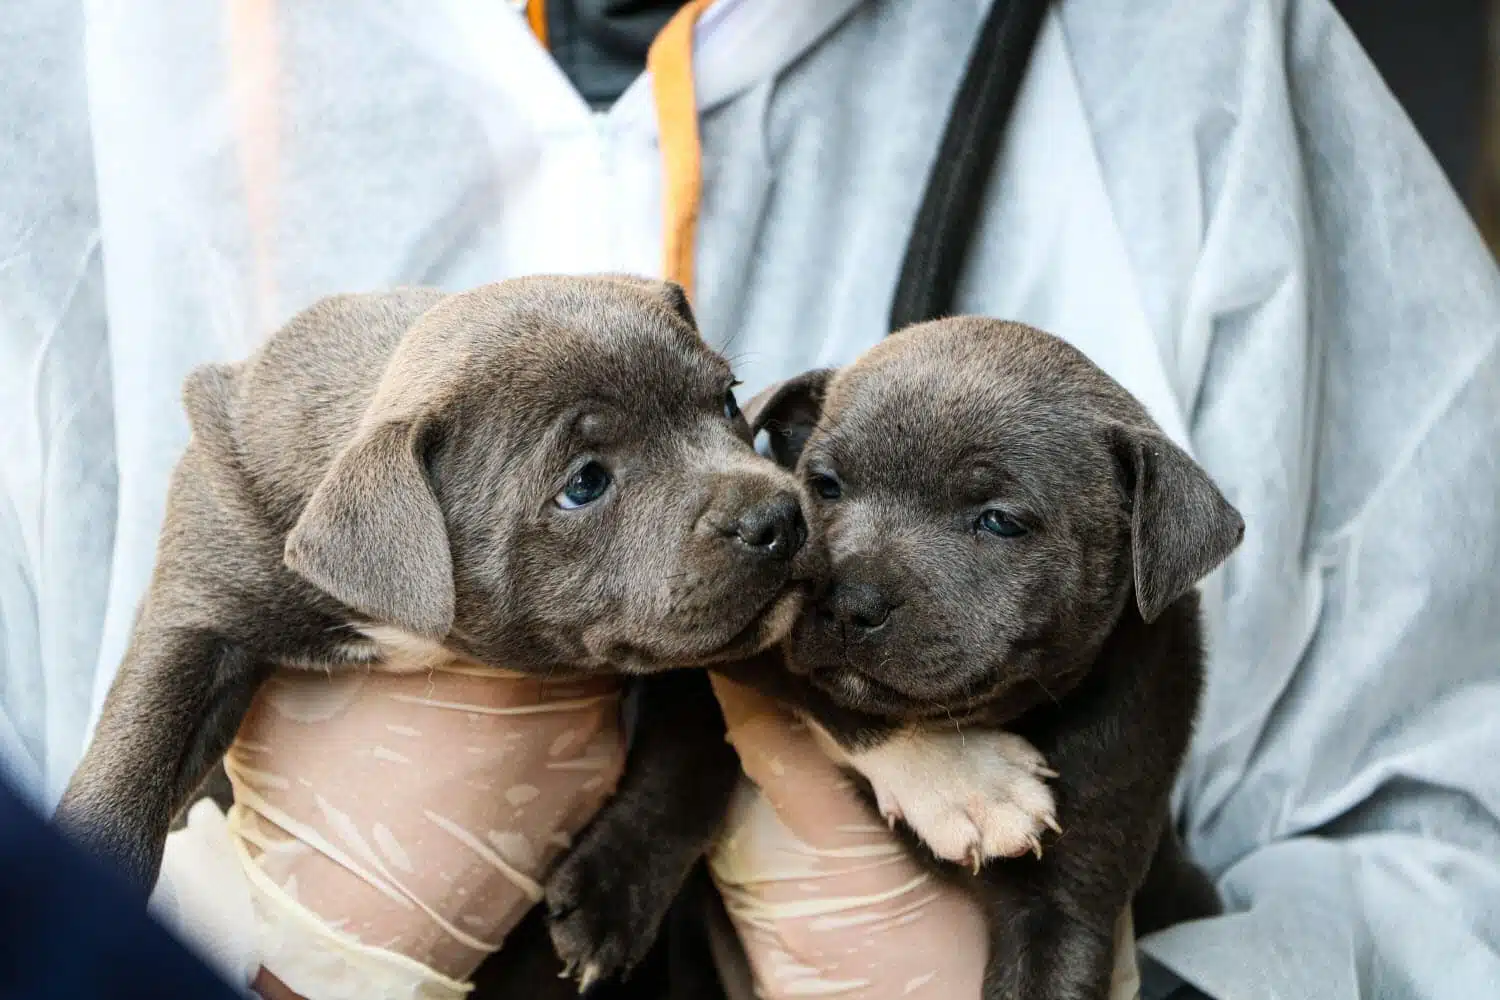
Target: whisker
[(1051, 697), (963, 740)]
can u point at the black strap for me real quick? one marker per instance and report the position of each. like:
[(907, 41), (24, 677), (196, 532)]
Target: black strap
[(951, 204)]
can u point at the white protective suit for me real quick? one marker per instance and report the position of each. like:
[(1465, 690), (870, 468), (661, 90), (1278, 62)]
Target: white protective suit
[(1218, 202)]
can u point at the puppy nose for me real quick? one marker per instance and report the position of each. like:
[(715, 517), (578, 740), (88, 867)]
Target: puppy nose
[(859, 605), (774, 527)]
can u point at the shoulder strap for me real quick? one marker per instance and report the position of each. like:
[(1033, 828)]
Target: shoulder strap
[(952, 202)]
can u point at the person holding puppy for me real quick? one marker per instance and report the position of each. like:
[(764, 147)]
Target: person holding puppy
[(1229, 214)]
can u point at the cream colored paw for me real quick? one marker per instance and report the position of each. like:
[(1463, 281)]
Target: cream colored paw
[(970, 797)]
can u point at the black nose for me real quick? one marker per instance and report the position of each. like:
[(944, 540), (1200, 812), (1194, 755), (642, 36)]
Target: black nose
[(773, 527), (858, 605)]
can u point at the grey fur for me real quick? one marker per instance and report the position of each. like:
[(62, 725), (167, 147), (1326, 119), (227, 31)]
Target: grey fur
[(1080, 634), (392, 460)]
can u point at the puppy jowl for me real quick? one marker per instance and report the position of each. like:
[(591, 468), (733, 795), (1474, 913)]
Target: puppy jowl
[(1006, 642), (548, 475)]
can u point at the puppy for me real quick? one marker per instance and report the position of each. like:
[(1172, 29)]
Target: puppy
[(548, 474), (1012, 542)]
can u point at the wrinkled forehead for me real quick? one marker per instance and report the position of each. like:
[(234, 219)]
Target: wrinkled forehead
[(639, 365), (930, 419)]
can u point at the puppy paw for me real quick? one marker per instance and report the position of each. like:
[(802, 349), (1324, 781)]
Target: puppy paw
[(970, 797), (604, 906)]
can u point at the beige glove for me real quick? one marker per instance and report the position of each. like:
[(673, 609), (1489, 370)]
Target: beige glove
[(390, 830), (826, 900)]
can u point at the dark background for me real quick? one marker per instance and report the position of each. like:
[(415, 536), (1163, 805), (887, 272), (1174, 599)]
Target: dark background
[(1438, 56)]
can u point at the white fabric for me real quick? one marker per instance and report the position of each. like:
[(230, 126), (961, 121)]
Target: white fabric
[(1220, 202), (203, 895)]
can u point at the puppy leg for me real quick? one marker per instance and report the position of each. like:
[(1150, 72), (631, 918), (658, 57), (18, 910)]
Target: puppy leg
[(1176, 890), (170, 716), (607, 898), (1053, 919), (1044, 946)]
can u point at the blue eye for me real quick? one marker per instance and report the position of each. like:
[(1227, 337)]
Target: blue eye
[(996, 522), (584, 487), (825, 486)]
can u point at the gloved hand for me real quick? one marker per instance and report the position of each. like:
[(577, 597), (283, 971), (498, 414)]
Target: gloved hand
[(826, 900), (389, 830)]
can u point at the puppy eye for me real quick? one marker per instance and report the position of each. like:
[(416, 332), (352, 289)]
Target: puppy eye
[(584, 487), (996, 522), (825, 486), (731, 406)]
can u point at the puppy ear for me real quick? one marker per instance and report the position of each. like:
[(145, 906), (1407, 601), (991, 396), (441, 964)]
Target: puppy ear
[(207, 396), (788, 412), (1181, 526), (373, 536), (677, 301), (670, 292)]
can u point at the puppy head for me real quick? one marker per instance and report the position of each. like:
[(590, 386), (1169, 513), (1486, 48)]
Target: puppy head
[(553, 472), (991, 503)]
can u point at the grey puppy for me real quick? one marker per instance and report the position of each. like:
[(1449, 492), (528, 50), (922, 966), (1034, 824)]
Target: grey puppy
[(548, 474), (1013, 546)]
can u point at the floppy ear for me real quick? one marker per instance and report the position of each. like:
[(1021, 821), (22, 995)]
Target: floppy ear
[(373, 536), (207, 395), (673, 294), (1181, 527), (677, 301), (788, 412)]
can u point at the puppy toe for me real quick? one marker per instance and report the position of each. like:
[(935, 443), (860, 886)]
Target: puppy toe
[(947, 830), (890, 809), (589, 977), (1004, 830), (1032, 796), (1020, 754), (1015, 816), (588, 923)]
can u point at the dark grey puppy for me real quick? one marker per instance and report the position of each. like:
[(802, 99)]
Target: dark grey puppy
[(548, 474), (1012, 543)]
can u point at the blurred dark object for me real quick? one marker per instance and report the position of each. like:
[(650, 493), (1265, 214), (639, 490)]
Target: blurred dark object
[(1486, 200), (72, 930), (601, 45), (1437, 56)]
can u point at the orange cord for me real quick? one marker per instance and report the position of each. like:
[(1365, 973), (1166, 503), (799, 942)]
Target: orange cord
[(253, 70), (670, 62), (536, 16)]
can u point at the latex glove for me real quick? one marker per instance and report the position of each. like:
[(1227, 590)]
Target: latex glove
[(826, 900), (389, 830)]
